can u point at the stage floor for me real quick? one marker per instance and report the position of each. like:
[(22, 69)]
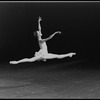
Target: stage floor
[(77, 79)]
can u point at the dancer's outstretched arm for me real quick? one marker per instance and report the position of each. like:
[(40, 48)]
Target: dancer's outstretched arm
[(51, 36)]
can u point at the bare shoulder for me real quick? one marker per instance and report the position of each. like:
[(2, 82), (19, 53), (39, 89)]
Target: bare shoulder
[(42, 40)]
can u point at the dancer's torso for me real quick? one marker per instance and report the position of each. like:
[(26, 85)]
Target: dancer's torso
[(43, 50), (43, 47)]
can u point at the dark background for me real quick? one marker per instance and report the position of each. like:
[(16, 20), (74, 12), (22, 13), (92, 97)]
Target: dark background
[(78, 22), (76, 77)]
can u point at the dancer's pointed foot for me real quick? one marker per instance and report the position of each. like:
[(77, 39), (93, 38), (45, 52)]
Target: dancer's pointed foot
[(13, 62), (71, 54)]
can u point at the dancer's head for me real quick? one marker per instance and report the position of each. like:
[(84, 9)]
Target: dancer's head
[(37, 34)]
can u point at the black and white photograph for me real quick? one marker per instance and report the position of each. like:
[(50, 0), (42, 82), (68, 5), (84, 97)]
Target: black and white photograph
[(49, 49)]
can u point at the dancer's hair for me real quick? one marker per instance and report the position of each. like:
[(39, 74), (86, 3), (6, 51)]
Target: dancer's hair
[(35, 33)]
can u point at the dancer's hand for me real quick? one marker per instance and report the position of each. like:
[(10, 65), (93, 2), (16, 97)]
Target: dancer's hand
[(58, 32), (40, 18)]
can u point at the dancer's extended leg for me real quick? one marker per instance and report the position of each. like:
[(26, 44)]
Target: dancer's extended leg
[(43, 57), (52, 56), (26, 60)]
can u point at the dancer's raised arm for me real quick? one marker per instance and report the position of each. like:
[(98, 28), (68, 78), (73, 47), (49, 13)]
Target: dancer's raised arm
[(51, 36), (39, 26)]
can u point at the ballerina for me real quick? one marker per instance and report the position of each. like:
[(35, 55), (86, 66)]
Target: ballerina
[(43, 54)]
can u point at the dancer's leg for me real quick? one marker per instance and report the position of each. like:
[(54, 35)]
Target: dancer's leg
[(52, 56), (43, 57), (66, 55), (26, 60)]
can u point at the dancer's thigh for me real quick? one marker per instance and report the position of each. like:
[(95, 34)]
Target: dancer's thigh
[(50, 56), (35, 58)]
